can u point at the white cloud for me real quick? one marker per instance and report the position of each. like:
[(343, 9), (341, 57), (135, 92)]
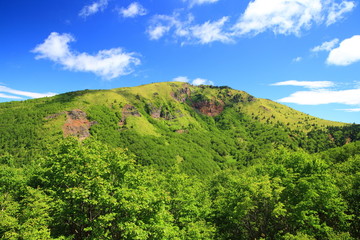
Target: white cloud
[(181, 79), (338, 10), (297, 59), (157, 32), (211, 32), (162, 24), (326, 46), (347, 53), (186, 31), (199, 2), (133, 10), (196, 81), (9, 96), (93, 8), (316, 97), (305, 84), (4, 89), (289, 17), (350, 110), (108, 64), (201, 81)]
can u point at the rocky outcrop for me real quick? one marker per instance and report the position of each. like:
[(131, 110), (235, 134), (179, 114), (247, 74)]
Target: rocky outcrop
[(181, 94), (128, 110), (155, 112), (210, 108), (53, 116), (77, 124)]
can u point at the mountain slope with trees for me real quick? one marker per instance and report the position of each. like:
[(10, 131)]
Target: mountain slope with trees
[(174, 161)]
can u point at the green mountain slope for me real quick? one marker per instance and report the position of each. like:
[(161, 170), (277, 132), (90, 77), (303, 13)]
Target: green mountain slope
[(203, 128), (199, 163)]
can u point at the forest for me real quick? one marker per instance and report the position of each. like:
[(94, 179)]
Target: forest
[(175, 161)]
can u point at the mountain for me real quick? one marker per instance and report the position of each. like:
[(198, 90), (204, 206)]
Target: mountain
[(175, 161), (203, 127)]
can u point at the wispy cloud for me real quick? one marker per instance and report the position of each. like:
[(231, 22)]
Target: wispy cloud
[(107, 64), (320, 93), (289, 17), (305, 84), (9, 96), (93, 8), (17, 94), (196, 81), (199, 2), (317, 97), (210, 32), (186, 31), (280, 16), (337, 11), (326, 46), (175, 23), (350, 110), (297, 59), (133, 10), (347, 53)]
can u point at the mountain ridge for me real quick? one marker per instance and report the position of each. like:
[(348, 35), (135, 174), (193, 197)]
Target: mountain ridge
[(204, 127)]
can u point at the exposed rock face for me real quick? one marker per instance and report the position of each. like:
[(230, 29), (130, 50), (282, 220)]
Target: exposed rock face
[(251, 98), (127, 111), (182, 94), (209, 107), (77, 124), (155, 112), (52, 116)]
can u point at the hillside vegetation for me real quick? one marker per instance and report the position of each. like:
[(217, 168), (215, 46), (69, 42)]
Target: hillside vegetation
[(174, 161)]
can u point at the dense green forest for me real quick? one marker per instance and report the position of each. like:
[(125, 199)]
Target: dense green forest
[(175, 161)]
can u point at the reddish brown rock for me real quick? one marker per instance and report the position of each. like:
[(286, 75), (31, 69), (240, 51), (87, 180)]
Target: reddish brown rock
[(77, 124), (182, 94), (210, 108), (128, 110)]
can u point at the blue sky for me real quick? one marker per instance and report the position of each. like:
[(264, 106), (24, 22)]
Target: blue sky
[(302, 53)]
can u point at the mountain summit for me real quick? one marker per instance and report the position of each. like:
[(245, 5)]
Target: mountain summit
[(202, 127)]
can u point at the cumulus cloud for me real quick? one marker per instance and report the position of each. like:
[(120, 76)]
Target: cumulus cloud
[(306, 84), (201, 81), (181, 79), (326, 46), (19, 93), (289, 17), (196, 81), (93, 8), (107, 64), (133, 10), (316, 97), (347, 53), (186, 31)]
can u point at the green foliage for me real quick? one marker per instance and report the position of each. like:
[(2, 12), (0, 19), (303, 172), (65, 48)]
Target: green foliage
[(256, 170)]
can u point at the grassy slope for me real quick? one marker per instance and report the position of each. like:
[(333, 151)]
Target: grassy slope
[(244, 127)]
